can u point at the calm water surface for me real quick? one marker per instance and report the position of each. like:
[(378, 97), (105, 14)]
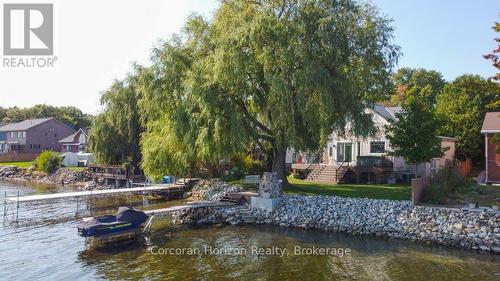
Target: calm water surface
[(44, 245)]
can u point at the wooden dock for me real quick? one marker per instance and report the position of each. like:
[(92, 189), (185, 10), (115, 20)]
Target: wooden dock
[(41, 197), (189, 205)]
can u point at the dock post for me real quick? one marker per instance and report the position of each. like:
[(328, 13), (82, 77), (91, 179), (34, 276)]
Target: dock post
[(17, 206), (77, 206), (91, 201), (5, 205)]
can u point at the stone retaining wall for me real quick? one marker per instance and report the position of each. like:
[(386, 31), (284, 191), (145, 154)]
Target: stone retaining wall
[(386, 218)]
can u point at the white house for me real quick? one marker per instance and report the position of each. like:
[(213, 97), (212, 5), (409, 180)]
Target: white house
[(346, 151)]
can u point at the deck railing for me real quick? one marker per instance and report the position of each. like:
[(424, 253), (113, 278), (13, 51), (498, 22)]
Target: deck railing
[(373, 161), (315, 163)]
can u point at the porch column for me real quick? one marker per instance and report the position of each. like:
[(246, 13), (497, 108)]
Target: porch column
[(486, 144)]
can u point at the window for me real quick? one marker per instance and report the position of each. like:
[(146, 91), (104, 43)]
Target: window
[(377, 147), (24, 134), (18, 134), (34, 146), (11, 134)]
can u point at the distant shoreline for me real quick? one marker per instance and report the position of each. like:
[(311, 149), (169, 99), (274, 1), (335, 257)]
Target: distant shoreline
[(62, 176)]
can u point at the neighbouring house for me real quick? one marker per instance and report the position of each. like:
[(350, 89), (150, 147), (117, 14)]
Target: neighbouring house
[(491, 126), (3, 138), (33, 136), (76, 142), (365, 157)]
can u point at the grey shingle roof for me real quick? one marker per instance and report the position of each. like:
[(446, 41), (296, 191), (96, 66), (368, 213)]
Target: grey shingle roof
[(388, 113), (393, 110), (24, 125), (71, 138)]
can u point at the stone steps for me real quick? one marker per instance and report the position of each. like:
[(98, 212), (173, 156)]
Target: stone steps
[(246, 214)]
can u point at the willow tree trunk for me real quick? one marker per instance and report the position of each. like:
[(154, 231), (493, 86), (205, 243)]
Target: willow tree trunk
[(279, 157)]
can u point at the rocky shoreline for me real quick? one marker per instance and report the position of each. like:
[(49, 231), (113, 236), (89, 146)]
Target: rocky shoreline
[(212, 190), (62, 176), (359, 216)]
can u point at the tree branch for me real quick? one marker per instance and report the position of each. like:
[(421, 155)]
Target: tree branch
[(254, 120)]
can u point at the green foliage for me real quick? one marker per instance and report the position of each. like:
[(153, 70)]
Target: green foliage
[(449, 179), (494, 56), (445, 186), (299, 174), (434, 194), (267, 73), (67, 114), (414, 135), (48, 161), (244, 165), (408, 78), (462, 106), (114, 136)]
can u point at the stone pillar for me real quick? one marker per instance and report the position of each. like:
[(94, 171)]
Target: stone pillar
[(270, 186), (270, 192)]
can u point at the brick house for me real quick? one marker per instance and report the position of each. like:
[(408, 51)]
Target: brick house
[(76, 142), (33, 135), (491, 126)]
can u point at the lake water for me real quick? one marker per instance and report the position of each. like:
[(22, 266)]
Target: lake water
[(44, 245)]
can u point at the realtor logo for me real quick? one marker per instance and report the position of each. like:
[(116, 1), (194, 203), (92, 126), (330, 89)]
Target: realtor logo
[(28, 29)]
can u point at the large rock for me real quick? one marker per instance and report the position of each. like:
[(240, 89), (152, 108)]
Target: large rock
[(213, 190)]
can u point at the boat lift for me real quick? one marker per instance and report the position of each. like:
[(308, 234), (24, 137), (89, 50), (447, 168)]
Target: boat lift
[(145, 189)]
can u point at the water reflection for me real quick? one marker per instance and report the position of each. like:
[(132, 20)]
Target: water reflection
[(47, 247)]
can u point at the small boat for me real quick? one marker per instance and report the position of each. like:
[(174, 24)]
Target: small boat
[(124, 225)]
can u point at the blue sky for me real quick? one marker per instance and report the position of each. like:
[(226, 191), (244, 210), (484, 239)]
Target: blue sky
[(444, 35), (96, 42)]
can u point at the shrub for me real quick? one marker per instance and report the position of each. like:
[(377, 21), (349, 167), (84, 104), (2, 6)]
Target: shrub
[(245, 165), (450, 180), (446, 185), (434, 194), (48, 161), (299, 174)]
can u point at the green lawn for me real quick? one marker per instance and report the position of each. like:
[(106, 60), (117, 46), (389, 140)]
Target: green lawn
[(28, 164), (79, 169), (18, 164), (375, 191)]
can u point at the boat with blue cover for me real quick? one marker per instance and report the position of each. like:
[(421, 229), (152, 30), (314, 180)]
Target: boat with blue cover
[(124, 225)]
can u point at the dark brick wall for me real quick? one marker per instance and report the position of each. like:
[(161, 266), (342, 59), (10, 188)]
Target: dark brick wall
[(47, 136), (493, 161)]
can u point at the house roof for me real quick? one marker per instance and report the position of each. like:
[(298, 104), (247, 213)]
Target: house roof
[(393, 110), (24, 125), (491, 123), (388, 113), (71, 138)]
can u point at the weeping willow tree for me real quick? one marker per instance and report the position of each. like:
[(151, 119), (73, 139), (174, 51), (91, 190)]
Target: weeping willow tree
[(276, 74), (115, 132)]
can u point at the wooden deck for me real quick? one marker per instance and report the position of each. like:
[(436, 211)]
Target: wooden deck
[(189, 205)]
